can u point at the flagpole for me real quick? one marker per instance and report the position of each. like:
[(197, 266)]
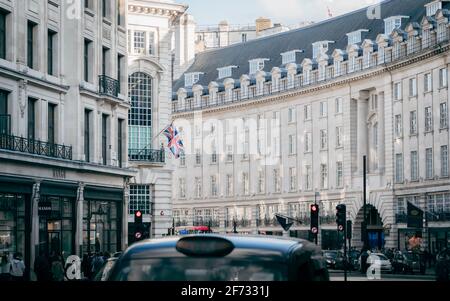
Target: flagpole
[(154, 138)]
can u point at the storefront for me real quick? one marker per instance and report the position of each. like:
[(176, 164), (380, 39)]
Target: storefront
[(439, 239), (102, 220)]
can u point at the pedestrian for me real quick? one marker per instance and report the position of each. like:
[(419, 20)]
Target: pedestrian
[(97, 264), (85, 267), (42, 268), (57, 269), (364, 257), (17, 268), (5, 267)]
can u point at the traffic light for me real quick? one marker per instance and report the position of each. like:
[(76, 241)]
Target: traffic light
[(315, 219), (341, 217), (138, 226), (349, 229)]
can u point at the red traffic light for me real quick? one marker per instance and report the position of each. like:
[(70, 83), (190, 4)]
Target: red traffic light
[(314, 208), (138, 214)]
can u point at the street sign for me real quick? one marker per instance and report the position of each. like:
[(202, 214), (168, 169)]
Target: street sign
[(284, 222), (44, 208)]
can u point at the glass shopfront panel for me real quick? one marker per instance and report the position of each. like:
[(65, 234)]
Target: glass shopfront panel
[(12, 223), (101, 226), (56, 229)]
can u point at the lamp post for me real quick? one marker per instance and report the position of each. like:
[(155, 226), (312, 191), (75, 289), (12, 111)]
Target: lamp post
[(316, 238), (364, 226)]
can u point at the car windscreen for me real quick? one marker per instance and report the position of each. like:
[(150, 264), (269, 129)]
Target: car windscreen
[(200, 269), (331, 255)]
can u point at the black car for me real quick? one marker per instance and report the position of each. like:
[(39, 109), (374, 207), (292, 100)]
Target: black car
[(409, 262), (210, 257), (443, 266)]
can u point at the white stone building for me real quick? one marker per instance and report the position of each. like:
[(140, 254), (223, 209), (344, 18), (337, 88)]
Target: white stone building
[(64, 168), (151, 29), (379, 90)]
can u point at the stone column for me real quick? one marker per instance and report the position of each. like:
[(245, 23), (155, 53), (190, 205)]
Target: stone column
[(79, 204), (34, 237), (362, 142)]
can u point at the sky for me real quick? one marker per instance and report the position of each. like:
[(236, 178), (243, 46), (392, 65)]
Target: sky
[(287, 12)]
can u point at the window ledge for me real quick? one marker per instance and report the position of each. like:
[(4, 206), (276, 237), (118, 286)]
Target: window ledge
[(442, 88), (412, 97), (89, 12), (107, 21), (339, 147), (428, 132), (413, 135), (121, 28), (428, 92), (443, 129)]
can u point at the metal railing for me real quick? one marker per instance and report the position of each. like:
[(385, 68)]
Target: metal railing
[(108, 86), (207, 222), (147, 155), (5, 124), (389, 56), (35, 147), (241, 223)]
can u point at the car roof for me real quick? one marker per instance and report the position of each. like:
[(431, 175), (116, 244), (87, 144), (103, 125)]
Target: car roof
[(166, 247)]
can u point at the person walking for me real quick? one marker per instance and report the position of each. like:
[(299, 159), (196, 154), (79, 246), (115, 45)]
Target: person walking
[(17, 268), (42, 268), (57, 269), (5, 267)]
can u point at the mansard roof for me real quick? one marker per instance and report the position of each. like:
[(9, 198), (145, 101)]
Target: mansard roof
[(334, 29)]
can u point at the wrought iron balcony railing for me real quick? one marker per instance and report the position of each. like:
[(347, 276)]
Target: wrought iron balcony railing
[(108, 86), (5, 124), (147, 155), (35, 147)]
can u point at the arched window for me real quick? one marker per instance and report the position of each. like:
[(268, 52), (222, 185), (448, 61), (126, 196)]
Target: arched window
[(140, 115)]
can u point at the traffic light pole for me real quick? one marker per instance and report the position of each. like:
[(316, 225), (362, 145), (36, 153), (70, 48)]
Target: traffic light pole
[(364, 230), (345, 254)]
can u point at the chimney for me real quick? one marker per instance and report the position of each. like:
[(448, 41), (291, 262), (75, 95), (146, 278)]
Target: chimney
[(184, 44), (263, 24)]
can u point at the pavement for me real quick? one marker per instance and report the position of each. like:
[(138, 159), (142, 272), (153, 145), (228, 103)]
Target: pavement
[(358, 277)]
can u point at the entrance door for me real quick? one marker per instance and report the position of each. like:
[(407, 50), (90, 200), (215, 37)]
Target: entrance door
[(54, 242), (376, 239)]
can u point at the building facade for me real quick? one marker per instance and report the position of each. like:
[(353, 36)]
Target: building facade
[(151, 29), (64, 169), (278, 131)]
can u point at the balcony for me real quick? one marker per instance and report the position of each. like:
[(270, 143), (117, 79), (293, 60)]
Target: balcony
[(241, 223), (209, 223), (35, 147), (108, 86), (147, 155)]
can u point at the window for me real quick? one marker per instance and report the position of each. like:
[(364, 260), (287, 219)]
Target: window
[(105, 8), (120, 130), (191, 79), (429, 163), (214, 190), (229, 153), (443, 78), (198, 188), (261, 182), (256, 65), (51, 123), (398, 91), (139, 42), (339, 175), (87, 60), (374, 102), (32, 118), (244, 37), (182, 185), (292, 179), (339, 102), (428, 119), (140, 199), (444, 161), (198, 157), (392, 23), (308, 142), (104, 138), (433, 7), (87, 135), (413, 87), (105, 61), (225, 72), (140, 118), (323, 139), (289, 57), (413, 122), (323, 176), (308, 177), (31, 27), (308, 112), (338, 136), (51, 37), (323, 109), (292, 115), (120, 18), (428, 85), (230, 190), (3, 32), (414, 166), (292, 145), (276, 180), (182, 159), (399, 168), (120, 61), (398, 126), (444, 115), (245, 184)]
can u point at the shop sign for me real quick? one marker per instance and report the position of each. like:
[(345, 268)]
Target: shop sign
[(45, 208)]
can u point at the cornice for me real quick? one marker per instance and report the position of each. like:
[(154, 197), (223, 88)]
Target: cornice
[(153, 10), (349, 78)]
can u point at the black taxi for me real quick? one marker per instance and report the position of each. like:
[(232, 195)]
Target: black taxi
[(211, 257)]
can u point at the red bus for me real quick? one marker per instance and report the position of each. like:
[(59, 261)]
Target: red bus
[(192, 230)]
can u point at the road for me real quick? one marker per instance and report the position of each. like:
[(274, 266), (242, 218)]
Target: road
[(357, 276)]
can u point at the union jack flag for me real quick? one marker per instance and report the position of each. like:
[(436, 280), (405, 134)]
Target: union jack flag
[(175, 144)]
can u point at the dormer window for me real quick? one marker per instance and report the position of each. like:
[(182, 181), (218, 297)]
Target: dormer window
[(320, 48), (392, 23), (355, 37), (257, 65), (191, 79), (433, 7), (290, 56), (226, 72)]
